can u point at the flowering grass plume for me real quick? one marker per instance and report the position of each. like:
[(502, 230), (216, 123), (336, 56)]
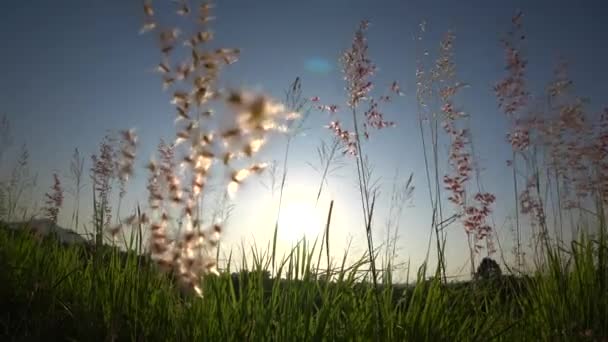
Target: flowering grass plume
[(474, 215), (204, 142), (126, 160), (102, 175), (558, 149), (358, 69), (511, 91), (54, 200), (115, 162)]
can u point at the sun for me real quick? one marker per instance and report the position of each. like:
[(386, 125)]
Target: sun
[(299, 219)]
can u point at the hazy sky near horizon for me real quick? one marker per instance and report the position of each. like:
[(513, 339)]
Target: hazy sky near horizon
[(74, 69)]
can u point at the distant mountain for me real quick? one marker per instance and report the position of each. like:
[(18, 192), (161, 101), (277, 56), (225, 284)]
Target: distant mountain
[(45, 226)]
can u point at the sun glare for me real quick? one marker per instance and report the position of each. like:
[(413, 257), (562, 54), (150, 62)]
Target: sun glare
[(298, 220)]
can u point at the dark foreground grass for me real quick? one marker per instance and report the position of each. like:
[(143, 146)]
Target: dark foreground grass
[(54, 292)]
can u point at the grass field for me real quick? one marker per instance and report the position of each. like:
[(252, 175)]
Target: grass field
[(50, 291)]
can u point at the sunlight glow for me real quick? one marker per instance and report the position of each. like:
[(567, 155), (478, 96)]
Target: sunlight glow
[(299, 219)]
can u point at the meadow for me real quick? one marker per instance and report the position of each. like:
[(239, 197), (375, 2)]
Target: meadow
[(155, 274)]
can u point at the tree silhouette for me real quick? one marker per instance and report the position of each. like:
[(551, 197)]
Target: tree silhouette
[(488, 269)]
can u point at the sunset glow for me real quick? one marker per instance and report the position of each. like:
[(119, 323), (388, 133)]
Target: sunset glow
[(299, 219)]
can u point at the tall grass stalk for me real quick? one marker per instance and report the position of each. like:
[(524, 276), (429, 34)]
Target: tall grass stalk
[(424, 92), (295, 103)]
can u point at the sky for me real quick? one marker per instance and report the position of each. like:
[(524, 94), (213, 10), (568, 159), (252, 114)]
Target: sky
[(72, 70)]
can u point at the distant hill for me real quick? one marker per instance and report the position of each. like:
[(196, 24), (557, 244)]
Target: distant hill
[(44, 227)]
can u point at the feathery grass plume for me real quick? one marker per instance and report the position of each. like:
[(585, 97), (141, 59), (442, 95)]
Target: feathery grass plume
[(124, 163), (512, 96), (102, 174), (511, 91), (460, 155), (553, 148), (149, 21), (54, 200), (20, 181), (126, 157), (577, 153), (570, 139), (75, 175), (203, 140), (530, 203), (358, 69)]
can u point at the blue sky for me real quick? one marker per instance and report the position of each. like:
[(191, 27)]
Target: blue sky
[(73, 69)]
